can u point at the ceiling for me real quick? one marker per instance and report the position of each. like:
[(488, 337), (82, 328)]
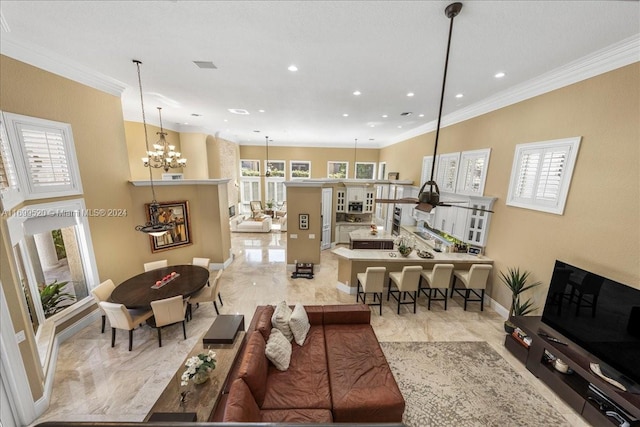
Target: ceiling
[(384, 49)]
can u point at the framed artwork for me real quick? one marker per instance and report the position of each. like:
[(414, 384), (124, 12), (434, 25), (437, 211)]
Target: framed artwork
[(303, 221), (178, 214), (393, 176)]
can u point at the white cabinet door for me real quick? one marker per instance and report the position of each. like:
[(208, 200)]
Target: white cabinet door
[(459, 222), (355, 194), (370, 195), (341, 200)]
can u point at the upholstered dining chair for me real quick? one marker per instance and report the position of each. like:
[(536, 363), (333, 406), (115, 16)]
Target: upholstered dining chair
[(407, 282), (201, 262), (154, 265), (102, 292), (121, 318), (474, 281), (206, 294), (438, 281), (371, 281), (169, 311)]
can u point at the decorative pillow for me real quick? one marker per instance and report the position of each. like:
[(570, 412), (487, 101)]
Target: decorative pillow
[(239, 220), (278, 350), (299, 324), (280, 319)]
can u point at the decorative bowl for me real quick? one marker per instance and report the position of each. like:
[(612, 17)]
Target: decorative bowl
[(405, 250)]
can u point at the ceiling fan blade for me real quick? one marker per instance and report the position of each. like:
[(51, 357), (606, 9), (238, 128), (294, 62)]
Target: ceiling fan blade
[(466, 207), (424, 207), (452, 201), (407, 200)]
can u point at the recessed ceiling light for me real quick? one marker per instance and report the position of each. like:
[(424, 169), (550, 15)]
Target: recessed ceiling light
[(420, 115), (185, 123), (261, 111), (357, 92), (345, 115), (292, 68), (372, 126), (410, 94), (399, 127), (499, 75), (226, 120), (459, 95), (240, 111), (384, 116)]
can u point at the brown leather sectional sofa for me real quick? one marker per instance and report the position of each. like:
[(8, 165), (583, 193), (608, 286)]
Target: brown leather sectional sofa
[(339, 375)]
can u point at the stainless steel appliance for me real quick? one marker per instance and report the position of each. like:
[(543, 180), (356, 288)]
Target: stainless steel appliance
[(395, 224), (355, 207)]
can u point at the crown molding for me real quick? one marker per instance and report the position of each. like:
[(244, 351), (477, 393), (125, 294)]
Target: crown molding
[(610, 58), (60, 65)]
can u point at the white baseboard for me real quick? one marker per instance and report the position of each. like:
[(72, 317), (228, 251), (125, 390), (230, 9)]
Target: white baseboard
[(496, 307), (346, 288)]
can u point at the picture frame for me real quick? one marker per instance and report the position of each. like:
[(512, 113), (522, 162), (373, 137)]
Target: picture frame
[(393, 176), (176, 212), (303, 221)]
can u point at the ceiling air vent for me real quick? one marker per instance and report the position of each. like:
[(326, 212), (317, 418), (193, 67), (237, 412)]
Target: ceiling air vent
[(408, 113), (205, 64)]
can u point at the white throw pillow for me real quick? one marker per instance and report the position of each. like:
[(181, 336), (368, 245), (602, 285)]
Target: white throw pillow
[(299, 324), (280, 319), (278, 350)]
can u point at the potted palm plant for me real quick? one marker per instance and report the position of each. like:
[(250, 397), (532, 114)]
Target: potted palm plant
[(516, 281)]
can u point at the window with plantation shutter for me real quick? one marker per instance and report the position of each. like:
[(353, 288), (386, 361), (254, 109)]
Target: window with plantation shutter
[(472, 172), (10, 194), (45, 156), (447, 171), (541, 174)]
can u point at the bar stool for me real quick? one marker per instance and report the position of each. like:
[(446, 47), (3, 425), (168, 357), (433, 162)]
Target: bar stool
[(438, 281), (473, 280), (407, 282), (372, 281)]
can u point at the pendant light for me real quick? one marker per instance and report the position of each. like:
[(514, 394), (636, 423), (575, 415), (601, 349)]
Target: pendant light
[(154, 227)]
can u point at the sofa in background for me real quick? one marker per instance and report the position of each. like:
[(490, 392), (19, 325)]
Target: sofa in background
[(339, 374), (248, 225)]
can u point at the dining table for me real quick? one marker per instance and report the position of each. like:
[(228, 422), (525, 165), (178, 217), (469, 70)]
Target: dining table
[(139, 291)]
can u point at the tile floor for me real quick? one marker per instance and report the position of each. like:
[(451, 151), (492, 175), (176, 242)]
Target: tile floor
[(94, 382)]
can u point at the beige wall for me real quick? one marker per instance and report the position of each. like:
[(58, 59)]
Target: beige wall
[(304, 200), (194, 148), (224, 161), (600, 228), (136, 149)]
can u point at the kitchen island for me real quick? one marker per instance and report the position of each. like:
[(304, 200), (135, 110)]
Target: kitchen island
[(363, 239), (354, 261)]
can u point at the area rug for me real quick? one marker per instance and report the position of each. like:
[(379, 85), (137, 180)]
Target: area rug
[(464, 384)]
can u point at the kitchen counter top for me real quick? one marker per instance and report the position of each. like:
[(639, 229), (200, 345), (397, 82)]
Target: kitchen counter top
[(365, 234), (383, 255)]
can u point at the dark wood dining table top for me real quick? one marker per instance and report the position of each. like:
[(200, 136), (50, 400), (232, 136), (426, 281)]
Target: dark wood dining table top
[(136, 292)]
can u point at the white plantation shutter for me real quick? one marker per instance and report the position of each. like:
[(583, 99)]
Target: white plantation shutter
[(447, 171), (48, 165), (472, 172), (10, 194), (542, 173)]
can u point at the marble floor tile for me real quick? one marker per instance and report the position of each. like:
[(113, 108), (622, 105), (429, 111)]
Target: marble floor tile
[(94, 382)]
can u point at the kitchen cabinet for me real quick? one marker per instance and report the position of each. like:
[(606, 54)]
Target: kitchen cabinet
[(369, 197), (468, 225), (355, 194), (372, 244), (341, 200)]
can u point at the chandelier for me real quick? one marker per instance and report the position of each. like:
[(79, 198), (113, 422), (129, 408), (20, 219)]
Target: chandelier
[(164, 156), (154, 227)]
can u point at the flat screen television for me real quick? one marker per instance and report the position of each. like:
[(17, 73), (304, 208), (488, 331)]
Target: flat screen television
[(599, 314)]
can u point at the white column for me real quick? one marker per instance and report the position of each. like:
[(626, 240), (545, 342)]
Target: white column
[(46, 250)]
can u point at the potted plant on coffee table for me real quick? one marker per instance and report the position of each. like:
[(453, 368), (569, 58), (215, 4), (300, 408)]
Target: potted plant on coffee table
[(516, 281)]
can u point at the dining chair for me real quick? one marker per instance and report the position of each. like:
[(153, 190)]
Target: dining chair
[(406, 282), (100, 293), (206, 294), (473, 280), (371, 281), (122, 318), (437, 281), (201, 262), (154, 265), (169, 311)]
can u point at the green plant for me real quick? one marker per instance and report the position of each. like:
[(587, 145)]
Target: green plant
[(58, 241), (516, 281), (52, 296), (269, 204)]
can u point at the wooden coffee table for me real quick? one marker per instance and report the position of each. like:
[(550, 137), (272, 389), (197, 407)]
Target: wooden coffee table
[(223, 330)]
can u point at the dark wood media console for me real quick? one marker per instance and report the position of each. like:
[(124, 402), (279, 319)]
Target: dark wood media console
[(572, 388)]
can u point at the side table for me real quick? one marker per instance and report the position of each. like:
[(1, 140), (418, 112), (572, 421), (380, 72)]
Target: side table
[(201, 399)]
